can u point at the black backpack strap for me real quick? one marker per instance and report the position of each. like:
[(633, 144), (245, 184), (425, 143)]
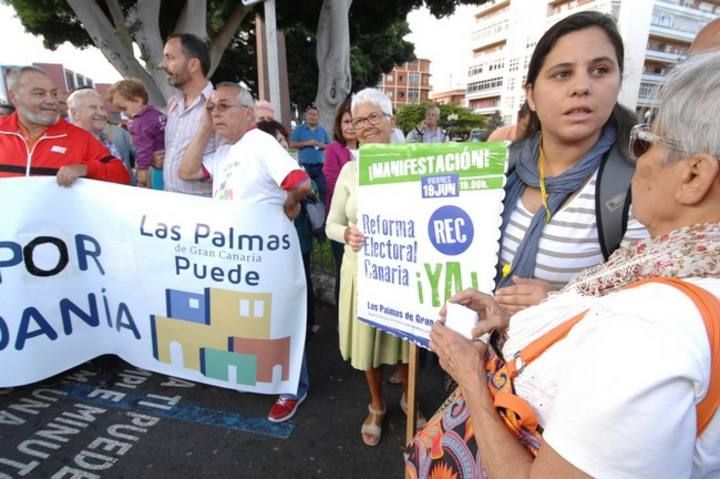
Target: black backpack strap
[(612, 199)]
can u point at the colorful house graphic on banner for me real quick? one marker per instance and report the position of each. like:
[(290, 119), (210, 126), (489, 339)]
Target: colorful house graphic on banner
[(223, 334)]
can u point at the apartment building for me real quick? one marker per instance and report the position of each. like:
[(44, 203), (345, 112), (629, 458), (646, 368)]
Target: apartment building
[(455, 96), (656, 33), (408, 83)]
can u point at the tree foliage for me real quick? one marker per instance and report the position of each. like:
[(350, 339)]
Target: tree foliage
[(376, 35), (116, 27), (456, 119), (495, 121)]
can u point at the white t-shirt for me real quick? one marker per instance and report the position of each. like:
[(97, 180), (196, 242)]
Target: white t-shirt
[(251, 170), (617, 396)]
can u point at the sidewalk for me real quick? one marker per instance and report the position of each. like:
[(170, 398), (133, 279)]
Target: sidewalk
[(176, 441)]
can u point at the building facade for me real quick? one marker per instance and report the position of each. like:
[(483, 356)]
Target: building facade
[(407, 83), (656, 33), (65, 79), (454, 97)]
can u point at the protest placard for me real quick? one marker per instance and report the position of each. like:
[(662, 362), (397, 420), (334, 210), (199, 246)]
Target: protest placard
[(430, 214)]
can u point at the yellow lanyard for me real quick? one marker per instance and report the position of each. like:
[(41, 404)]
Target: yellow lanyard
[(507, 267), (543, 190)]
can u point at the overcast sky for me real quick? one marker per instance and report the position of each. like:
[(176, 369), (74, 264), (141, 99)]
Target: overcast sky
[(436, 40)]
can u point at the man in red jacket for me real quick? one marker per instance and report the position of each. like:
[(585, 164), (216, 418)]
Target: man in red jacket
[(36, 141)]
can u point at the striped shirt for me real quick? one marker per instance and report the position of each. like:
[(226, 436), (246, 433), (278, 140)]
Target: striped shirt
[(182, 124), (569, 242)]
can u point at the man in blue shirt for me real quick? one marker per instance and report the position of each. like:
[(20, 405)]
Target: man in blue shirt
[(310, 139)]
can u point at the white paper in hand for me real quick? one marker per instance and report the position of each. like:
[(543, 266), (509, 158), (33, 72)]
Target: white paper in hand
[(460, 319)]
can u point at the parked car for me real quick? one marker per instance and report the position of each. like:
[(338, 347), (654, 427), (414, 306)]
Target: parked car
[(478, 134)]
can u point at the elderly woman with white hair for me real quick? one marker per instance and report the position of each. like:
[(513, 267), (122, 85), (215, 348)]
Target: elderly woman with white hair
[(618, 374), (366, 347)]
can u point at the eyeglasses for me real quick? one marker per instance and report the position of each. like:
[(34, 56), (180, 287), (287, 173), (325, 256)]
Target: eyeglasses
[(222, 107), (641, 139), (373, 118)]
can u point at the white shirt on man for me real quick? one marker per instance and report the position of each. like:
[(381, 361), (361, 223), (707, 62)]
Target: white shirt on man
[(251, 170)]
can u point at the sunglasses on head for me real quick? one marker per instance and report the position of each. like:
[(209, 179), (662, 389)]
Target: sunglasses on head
[(642, 139)]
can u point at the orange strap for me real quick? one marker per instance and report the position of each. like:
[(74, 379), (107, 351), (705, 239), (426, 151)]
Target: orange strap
[(522, 409), (708, 306), (537, 347)]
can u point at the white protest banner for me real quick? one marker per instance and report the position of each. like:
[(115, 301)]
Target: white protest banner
[(186, 286), (430, 214)]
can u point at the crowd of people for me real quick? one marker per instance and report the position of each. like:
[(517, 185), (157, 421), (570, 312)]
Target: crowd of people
[(598, 362)]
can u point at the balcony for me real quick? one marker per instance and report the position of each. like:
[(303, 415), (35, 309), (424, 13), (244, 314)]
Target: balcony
[(652, 78), (486, 95), (490, 35), (491, 87), (489, 110), (491, 7), (647, 103), (667, 57), (685, 10), (648, 92), (671, 33)]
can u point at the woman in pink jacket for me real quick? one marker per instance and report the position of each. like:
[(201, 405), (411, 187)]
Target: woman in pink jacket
[(336, 155)]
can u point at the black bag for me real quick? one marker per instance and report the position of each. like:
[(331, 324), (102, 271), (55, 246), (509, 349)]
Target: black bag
[(316, 217)]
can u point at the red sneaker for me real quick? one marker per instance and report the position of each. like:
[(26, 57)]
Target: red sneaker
[(284, 408)]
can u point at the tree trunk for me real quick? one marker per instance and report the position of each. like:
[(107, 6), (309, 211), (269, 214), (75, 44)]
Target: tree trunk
[(193, 19), (333, 57), (142, 26), (115, 43), (144, 16)]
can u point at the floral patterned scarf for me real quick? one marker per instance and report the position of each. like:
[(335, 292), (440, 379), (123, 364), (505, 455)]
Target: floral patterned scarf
[(691, 251)]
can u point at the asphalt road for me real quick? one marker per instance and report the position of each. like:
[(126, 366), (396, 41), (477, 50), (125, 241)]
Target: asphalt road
[(145, 425)]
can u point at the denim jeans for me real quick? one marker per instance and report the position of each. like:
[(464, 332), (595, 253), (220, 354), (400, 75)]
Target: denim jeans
[(316, 174), (303, 384)]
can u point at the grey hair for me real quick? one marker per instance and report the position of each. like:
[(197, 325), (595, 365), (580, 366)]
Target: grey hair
[(78, 96), (244, 97), (431, 108), (13, 77), (371, 96), (689, 105)]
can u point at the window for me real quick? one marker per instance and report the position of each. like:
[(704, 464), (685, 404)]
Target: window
[(389, 77), (70, 80), (401, 78), (475, 70), (401, 94), (485, 85), (662, 20), (648, 90), (413, 96), (414, 79), (389, 94), (514, 65)]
